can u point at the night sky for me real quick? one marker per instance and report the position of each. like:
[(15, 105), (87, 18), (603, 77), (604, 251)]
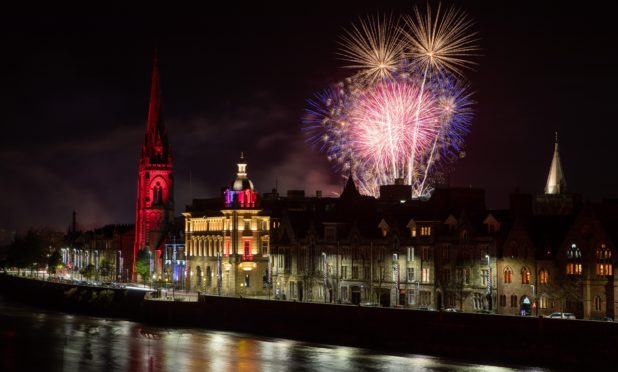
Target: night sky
[(75, 94)]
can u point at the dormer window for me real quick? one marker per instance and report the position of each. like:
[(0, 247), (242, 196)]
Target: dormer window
[(384, 228), (412, 226), (425, 230)]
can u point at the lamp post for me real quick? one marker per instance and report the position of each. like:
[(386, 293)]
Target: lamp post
[(534, 304), (489, 283), (325, 269)]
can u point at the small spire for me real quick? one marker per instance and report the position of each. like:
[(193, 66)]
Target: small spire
[(242, 155), (556, 183)]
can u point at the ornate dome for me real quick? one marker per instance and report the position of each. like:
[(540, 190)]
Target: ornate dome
[(242, 182)]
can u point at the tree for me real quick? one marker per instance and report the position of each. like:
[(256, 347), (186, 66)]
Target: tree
[(28, 251), (89, 271), (54, 262), (106, 269), (142, 264)]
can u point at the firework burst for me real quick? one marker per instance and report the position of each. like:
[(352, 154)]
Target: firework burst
[(374, 47), (402, 116), (440, 40)]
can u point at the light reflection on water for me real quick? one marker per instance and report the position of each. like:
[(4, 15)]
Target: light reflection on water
[(32, 339)]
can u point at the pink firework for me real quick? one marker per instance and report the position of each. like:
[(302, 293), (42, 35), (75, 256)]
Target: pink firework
[(382, 126)]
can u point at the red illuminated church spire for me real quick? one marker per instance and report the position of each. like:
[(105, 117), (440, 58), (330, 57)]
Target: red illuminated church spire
[(155, 183)]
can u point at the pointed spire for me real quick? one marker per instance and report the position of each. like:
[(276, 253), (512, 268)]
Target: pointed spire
[(156, 149), (154, 107), (350, 190), (556, 183)]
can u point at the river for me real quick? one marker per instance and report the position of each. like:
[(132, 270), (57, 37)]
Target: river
[(32, 339)]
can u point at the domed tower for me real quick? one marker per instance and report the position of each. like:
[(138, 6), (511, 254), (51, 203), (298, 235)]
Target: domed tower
[(241, 193)]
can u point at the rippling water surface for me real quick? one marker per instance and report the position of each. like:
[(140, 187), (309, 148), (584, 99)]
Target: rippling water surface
[(32, 339)]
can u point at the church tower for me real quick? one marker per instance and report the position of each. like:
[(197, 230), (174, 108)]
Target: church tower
[(556, 183), (155, 183)]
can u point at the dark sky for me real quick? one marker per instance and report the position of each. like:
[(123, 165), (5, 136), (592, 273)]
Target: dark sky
[(75, 91)]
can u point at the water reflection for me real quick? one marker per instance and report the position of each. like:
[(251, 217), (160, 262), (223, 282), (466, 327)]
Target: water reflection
[(31, 339)]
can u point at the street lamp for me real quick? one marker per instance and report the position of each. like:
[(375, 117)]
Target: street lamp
[(489, 283), (534, 304), (325, 268)]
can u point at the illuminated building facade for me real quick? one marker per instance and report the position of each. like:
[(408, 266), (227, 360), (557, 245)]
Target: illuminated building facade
[(155, 183), (227, 241)]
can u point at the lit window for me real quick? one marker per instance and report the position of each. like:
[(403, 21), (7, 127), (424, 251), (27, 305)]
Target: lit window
[(543, 276), (410, 256), (425, 275), (508, 275), (604, 269), (574, 268), (604, 265), (543, 302), (425, 230), (525, 276)]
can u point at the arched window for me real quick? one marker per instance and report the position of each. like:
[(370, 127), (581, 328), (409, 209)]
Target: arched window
[(503, 300), (525, 276), (543, 276), (508, 275), (604, 265), (597, 303), (514, 301), (574, 252), (574, 257)]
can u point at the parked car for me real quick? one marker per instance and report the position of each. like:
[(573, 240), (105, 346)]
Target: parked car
[(603, 319), (451, 310), (424, 308), (561, 316)]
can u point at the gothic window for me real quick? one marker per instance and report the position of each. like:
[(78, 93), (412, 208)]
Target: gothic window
[(525, 276), (597, 303), (574, 252), (466, 276), (514, 301), (574, 264), (503, 300), (508, 275), (543, 276), (604, 265)]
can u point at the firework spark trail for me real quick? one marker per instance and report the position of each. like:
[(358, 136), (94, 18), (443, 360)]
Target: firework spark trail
[(373, 47), (454, 103), (438, 43)]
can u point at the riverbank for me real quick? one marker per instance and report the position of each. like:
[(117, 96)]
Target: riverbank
[(475, 337)]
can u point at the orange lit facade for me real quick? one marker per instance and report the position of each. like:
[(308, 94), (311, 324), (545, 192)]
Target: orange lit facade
[(228, 244)]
